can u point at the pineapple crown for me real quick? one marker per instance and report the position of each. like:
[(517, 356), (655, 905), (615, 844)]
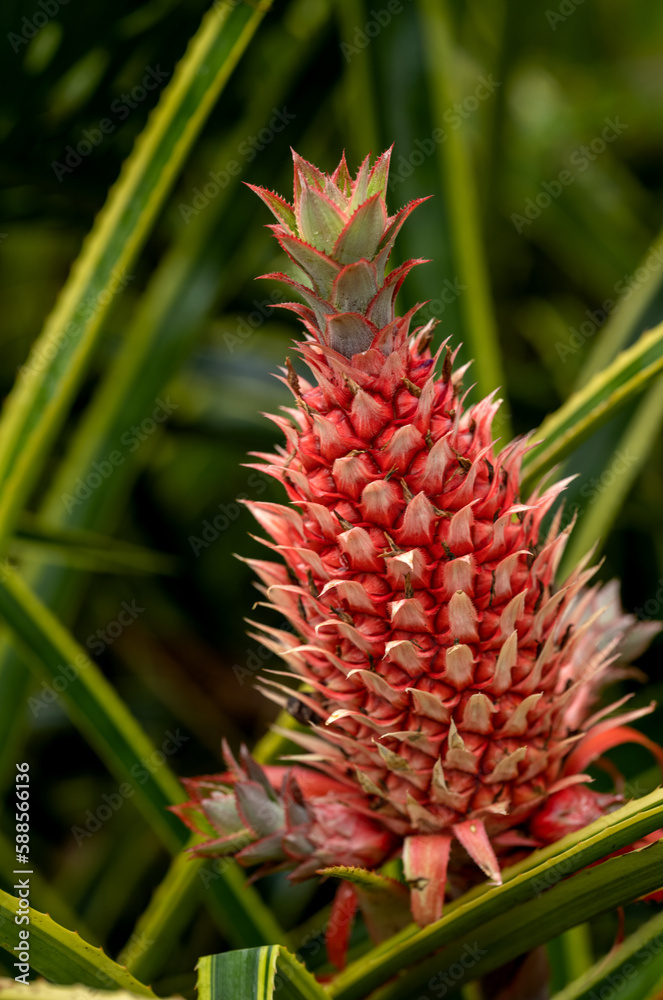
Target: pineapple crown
[(339, 234)]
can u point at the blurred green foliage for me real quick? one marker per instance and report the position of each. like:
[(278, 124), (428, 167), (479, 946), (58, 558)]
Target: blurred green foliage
[(559, 118)]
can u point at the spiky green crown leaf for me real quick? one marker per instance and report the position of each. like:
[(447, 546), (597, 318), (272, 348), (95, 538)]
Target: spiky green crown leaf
[(339, 233)]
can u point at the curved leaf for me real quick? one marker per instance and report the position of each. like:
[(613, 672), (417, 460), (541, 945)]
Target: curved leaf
[(635, 445), (588, 408), (41, 990), (63, 955), (457, 176), (95, 706), (109, 727), (635, 968), (86, 549), (534, 876), (595, 890), (628, 317), (47, 383), (166, 917)]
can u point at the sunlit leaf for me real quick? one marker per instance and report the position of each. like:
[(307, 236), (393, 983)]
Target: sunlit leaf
[(48, 381), (590, 406), (61, 955), (256, 974)]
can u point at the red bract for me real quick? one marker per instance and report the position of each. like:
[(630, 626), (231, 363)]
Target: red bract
[(449, 680)]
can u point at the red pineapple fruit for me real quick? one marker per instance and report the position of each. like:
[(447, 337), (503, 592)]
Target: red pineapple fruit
[(448, 681)]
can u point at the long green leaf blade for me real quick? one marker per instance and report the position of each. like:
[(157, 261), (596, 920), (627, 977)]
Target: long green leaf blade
[(38, 404), (178, 296), (86, 549), (256, 974), (596, 890), (570, 955), (479, 330), (636, 968), (632, 452), (536, 874), (588, 408), (62, 955), (110, 728), (628, 317), (94, 704), (45, 897), (166, 918), (39, 990)]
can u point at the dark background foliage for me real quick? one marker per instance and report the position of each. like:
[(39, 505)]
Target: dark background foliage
[(344, 75)]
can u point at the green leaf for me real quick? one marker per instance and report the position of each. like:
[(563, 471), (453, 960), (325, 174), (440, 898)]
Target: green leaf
[(320, 220), (361, 877), (94, 705), (188, 280), (634, 970), (40, 990), (166, 918), (110, 728), (44, 895), (588, 408), (47, 384), (625, 463), (458, 182), (570, 955), (595, 890), (62, 955), (256, 974), (532, 877), (180, 293), (85, 549), (627, 318), (360, 121)]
